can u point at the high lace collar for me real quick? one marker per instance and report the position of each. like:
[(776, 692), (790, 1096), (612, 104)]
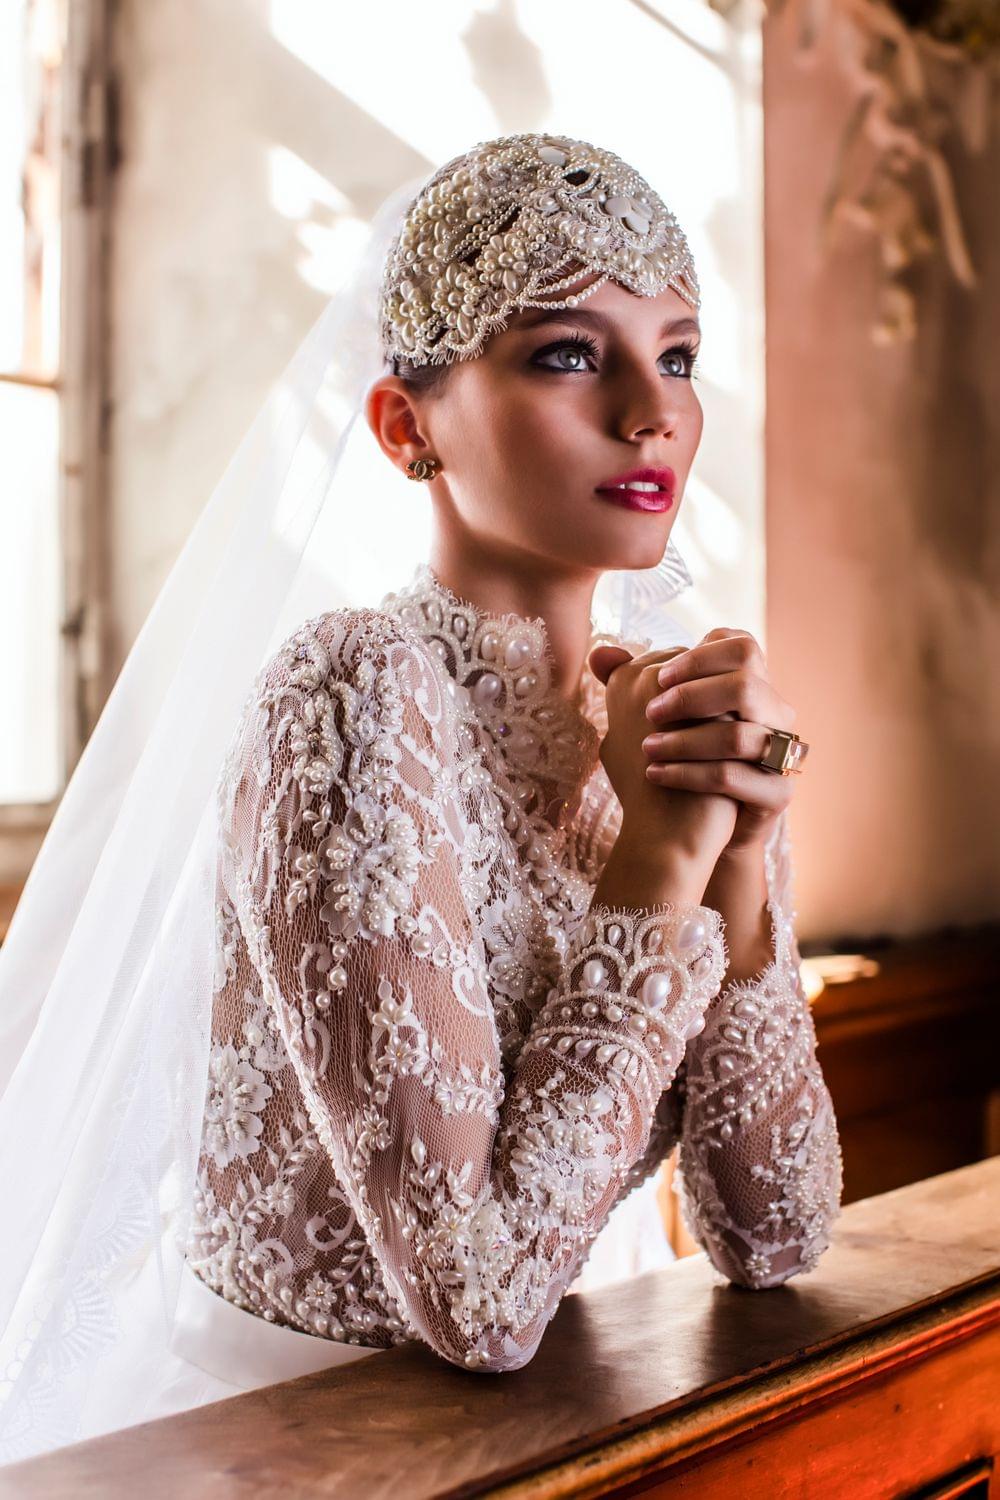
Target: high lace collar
[(504, 663)]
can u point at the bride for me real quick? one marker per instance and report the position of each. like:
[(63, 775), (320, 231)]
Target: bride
[(374, 958)]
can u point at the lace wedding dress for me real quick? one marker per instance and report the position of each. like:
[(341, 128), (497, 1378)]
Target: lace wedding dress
[(436, 1064)]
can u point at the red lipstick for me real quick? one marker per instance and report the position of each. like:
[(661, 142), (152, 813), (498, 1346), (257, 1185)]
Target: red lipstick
[(640, 489)]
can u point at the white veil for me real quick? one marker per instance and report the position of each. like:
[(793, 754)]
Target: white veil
[(106, 975)]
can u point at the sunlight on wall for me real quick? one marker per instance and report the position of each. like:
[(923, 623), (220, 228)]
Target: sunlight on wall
[(407, 66), (296, 191), (673, 89)]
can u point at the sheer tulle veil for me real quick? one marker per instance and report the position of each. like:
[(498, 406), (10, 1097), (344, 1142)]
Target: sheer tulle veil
[(106, 976)]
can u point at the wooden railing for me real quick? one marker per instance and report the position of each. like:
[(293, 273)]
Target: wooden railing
[(875, 1375)]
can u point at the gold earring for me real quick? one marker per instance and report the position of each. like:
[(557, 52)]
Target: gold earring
[(422, 468)]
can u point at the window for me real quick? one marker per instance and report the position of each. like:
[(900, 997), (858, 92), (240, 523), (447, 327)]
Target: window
[(54, 166), (31, 52)]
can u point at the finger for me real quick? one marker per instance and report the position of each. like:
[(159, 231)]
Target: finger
[(749, 697), (727, 651), (716, 739), (652, 661), (749, 785), (604, 658)]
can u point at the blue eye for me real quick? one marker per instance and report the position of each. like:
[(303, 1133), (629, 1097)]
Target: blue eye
[(689, 354), (581, 346)]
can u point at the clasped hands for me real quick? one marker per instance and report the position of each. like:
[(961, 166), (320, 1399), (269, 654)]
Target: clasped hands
[(710, 723)]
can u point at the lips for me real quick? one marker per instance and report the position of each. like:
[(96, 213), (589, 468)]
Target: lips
[(640, 489)]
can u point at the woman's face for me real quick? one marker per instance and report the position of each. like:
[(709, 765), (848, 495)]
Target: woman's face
[(529, 429)]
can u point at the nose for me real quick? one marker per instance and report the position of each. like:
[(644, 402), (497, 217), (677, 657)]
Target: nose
[(649, 405)]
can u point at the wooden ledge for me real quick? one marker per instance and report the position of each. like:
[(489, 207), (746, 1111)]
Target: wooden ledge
[(631, 1386)]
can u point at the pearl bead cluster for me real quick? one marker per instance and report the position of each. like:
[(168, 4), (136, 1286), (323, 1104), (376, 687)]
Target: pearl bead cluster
[(646, 981), (509, 224), (765, 1038)]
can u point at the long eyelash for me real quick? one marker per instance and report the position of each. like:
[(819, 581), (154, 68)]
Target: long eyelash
[(691, 350), (576, 340), (589, 346)]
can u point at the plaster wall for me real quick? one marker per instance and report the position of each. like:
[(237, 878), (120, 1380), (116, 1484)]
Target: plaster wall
[(882, 536)]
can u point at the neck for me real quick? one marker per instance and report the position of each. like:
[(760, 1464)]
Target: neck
[(496, 583)]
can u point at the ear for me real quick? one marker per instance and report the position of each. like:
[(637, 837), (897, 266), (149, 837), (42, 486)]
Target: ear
[(393, 418), (604, 658)]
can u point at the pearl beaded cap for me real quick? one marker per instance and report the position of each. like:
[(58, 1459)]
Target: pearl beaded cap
[(511, 223)]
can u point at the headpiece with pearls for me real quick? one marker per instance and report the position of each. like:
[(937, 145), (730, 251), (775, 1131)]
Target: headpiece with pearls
[(509, 224)]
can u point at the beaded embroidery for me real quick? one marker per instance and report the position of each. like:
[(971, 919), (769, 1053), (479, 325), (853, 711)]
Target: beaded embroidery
[(509, 225), (436, 1065)]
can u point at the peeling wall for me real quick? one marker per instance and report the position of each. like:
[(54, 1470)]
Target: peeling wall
[(883, 537)]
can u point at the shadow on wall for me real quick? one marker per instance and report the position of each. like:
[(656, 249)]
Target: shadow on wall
[(244, 272)]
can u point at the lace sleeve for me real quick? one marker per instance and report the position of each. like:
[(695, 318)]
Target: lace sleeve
[(358, 872), (760, 1173)]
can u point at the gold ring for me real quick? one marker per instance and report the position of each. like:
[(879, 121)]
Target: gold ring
[(785, 753)]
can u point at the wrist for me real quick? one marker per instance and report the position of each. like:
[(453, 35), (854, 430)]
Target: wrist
[(657, 844), (664, 871), (738, 870), (742, 856), (738, 890)]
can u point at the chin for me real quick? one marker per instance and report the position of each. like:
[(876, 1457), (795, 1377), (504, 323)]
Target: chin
[(637, 558)]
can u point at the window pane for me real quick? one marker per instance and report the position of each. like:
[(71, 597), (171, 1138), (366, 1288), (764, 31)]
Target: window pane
[(29, 595), (31, 42)]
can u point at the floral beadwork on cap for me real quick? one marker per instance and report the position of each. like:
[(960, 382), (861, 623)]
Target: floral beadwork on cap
[(509, 225)]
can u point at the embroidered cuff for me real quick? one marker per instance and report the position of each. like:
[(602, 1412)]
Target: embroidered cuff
[(635, 987)]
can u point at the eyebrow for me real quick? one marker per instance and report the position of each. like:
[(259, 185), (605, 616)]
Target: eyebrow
[(588, 316)]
